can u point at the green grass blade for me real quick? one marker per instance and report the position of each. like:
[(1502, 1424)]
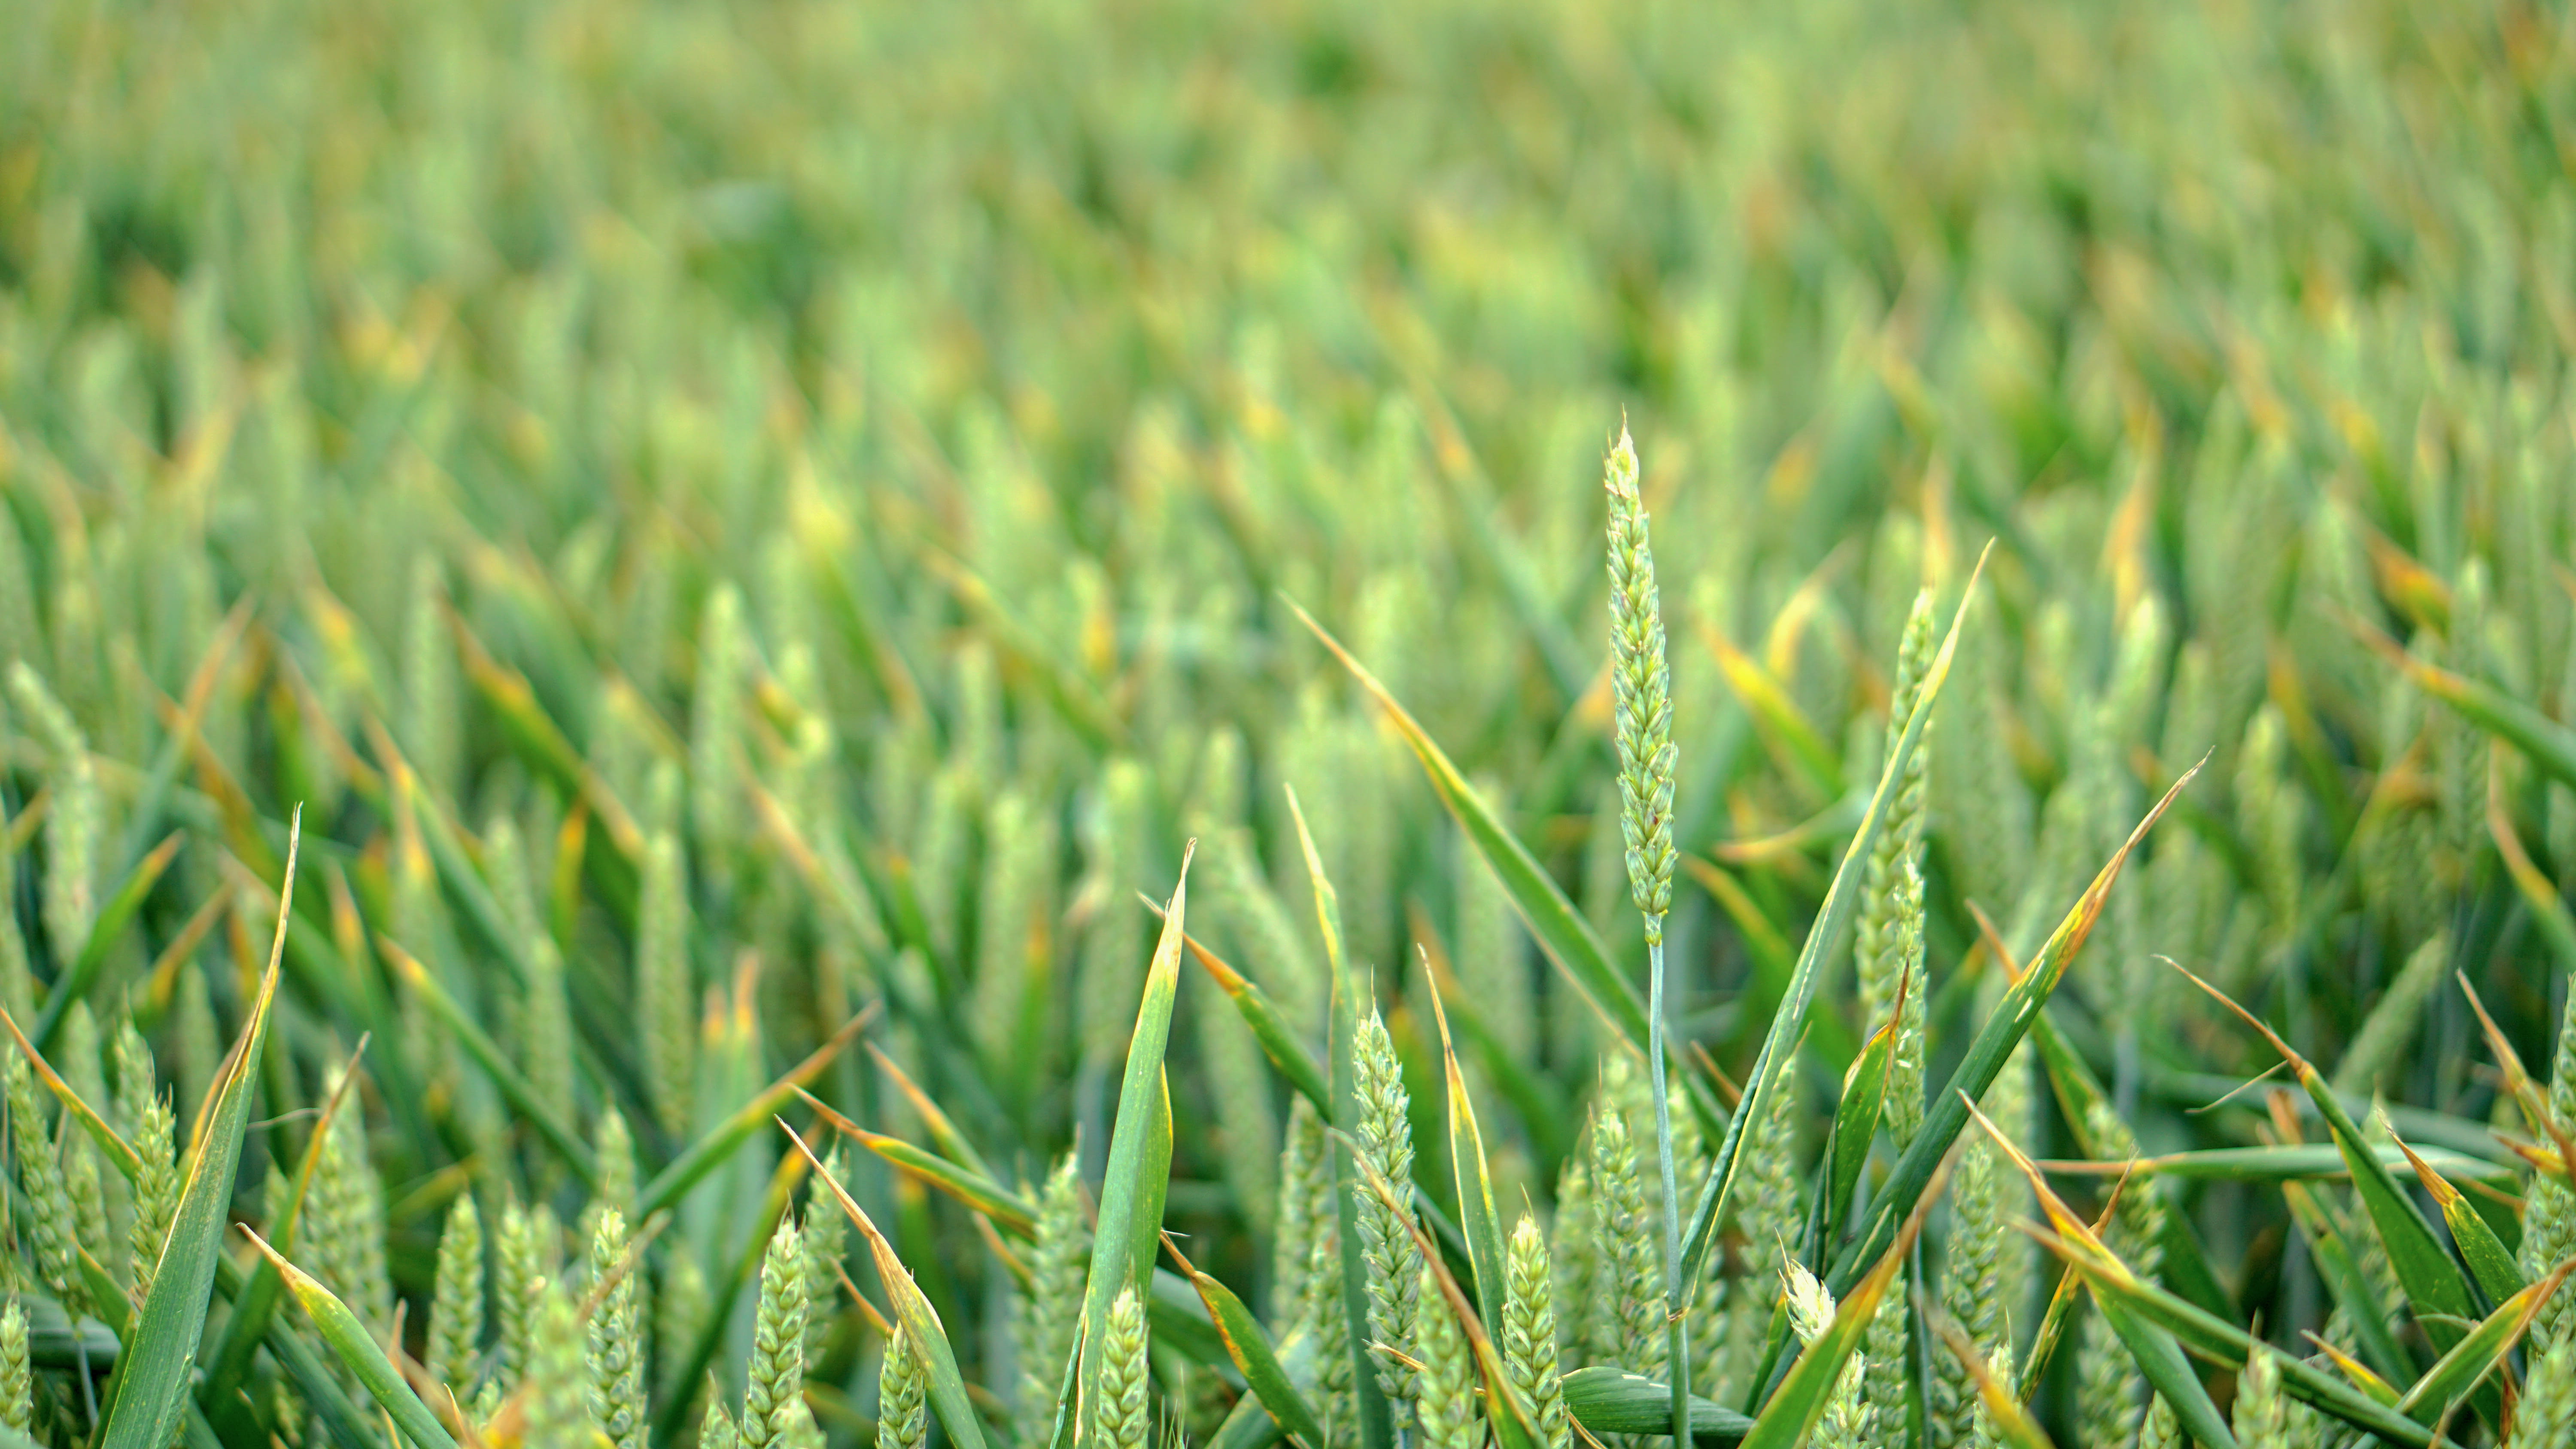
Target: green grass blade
[(1842, 898), (1131, 1192), (2161, 1363), (929, 1337), (943, 1131), (1270, 1027), (2478, 1352), (2435, 1286), (1778, 717), (1847, 1141), (1249, 1347), (255, 1307), (2221, 1342), (2549, 745), (1612, 1401), (151, 1398), (1560, 930), (2013, 1422), (2273, 1163), (2498, 1275), (1986, 1054), (1349, 1001), (1008, 1210), (358, 1353), (114, 915), (1792, 1410), (2350, 1284), (1477, 1221)]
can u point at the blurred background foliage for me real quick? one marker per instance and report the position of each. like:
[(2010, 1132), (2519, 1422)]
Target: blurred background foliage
[(879, 441)]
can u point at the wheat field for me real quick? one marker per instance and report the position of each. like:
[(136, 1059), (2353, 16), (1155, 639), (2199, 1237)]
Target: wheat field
[(1374, 726)]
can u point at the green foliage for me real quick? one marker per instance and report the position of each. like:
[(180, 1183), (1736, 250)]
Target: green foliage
[(760, 530)]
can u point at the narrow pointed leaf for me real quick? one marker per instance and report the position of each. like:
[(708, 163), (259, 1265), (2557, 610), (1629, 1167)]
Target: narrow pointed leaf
[(151, 1395), (929, 1337), (1561, 931), (2479, 1351), (1249, 1347), (1613, 1401), (2350, 1284), (984, 1195), (1986, 1054), (2434, 1284), (2221, 1342), (1477, 1221), (2489, 1260), (1847, 1141), (1279, 1041), (359, 1354), (496, 1065), (1131, 1192), (2013, 1422), (1350, 998), (1771, 1064)]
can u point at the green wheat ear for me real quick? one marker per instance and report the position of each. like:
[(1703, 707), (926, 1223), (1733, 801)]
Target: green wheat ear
[(52, 1222), (827, 1237), (77, 821), (666, 997), (1120, 1420), (2162, 1430), (775, 1377), (1845, 1424), (1051, 1307), (1642, 683), (519, 1283), (557, 1403), (1624, 1227), (679, 1309), (1327, 1316), (1529, 1332), (17, 1389), (79, 1063), (1305, 1201), (156, 1191), (2261, 1419), (902, 1422), (1446, 1407), (615, 1361), (456, 1299), (716, 1428), (1392, 1257), (2546, 1418)]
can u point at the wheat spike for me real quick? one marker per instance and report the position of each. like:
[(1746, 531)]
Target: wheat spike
[(776, 1374), (556, 1400), (1305, 1203), (2546, 1417), (615, 1358), (827, 1236), (1119, 1419), (456, 1300), (78, 821), (1529, 1332), (901, 1421), (1393, 1259), (52, 1221), (1445, 1407), (1051, 1307)]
